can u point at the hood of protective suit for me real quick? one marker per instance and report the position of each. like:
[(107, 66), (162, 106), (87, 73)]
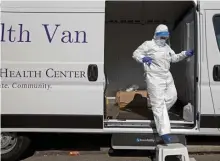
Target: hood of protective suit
[(161, 31)]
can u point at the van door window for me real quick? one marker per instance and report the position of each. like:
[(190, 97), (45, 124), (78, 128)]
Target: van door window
[(216, 21)]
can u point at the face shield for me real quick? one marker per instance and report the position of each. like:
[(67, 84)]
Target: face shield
[(161, 37), (164, 35)]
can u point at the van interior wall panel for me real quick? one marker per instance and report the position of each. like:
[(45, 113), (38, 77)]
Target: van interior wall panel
[(183, 72)]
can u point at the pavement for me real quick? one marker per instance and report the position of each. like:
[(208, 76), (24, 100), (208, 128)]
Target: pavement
[(105, 157), (96, 148)]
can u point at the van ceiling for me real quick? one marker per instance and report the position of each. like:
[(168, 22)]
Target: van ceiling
[(146, 11)]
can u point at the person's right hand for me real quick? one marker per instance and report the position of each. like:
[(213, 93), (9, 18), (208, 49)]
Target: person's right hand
[(147, 60)]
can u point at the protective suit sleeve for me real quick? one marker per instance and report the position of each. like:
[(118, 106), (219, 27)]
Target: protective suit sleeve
[(177, 57), (140, 52)]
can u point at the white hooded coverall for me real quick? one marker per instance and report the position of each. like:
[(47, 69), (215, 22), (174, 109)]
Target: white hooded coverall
[(160, 83)]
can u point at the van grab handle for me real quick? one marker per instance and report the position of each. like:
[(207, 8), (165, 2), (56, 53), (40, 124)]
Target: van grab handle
[(92, 72), (216, 73)]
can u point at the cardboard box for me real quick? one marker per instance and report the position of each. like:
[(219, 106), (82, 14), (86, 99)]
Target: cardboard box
[(131, 99)]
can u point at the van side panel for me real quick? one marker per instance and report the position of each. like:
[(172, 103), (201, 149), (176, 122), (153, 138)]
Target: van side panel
[(210, 111), (50, 61), (213, 55)]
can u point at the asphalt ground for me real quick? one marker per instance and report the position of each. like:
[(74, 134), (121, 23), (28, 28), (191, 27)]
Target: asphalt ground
[(52, 147), (105, 157)]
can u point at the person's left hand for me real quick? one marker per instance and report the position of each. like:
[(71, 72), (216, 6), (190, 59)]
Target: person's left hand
[(189, 53)]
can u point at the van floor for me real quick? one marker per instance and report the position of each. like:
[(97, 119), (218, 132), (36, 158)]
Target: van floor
[(138, 113)]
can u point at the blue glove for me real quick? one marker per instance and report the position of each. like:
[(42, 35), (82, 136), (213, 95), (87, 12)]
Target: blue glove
[(189, 53), (147, 60)]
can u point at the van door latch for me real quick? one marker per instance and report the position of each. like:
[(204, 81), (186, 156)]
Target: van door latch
[(92, 72), (216, 73)]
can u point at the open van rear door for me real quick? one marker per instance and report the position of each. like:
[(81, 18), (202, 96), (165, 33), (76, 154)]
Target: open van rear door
[(52, 62), (212, 37)]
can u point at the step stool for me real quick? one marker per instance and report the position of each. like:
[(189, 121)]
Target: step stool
[(171, 149)]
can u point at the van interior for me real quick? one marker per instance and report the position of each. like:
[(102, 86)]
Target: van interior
[(130, 23)]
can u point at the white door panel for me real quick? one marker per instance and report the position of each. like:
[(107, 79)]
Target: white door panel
[(213, 56), (213, 53)]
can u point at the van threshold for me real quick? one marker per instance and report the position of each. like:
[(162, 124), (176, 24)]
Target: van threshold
[(143, 123)]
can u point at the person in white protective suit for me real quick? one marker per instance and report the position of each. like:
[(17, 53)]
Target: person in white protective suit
[(156, 57)]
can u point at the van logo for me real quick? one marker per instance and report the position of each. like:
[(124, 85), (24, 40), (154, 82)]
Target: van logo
[(144, 140), (137, 140)]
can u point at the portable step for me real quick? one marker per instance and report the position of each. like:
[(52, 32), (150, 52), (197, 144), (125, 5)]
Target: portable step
[(176, 149), (135, 141)]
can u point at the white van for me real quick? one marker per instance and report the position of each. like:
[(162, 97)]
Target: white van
[(60, 62)]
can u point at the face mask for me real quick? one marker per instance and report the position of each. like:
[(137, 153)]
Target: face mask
[(160, 42)]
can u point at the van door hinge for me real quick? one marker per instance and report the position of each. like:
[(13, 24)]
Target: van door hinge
[(198, 6), (197, 79), (197, 116)]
